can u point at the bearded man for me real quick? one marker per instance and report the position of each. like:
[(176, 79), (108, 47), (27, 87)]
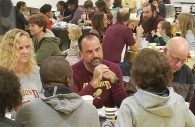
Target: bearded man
[(97, 77), (149, 20)]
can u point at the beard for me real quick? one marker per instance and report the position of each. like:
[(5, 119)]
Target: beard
[(147, 22), (95, 62)]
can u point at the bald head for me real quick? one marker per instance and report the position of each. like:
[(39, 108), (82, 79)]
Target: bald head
[(178, 45), (177, 52), (123, 15)]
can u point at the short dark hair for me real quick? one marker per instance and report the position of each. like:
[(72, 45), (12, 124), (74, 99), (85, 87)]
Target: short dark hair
[(20, 4), (151, 70), (39, 19), (87, 35), (55, 69), (73, 2), (88, 4), (10, 95), (45, 8)]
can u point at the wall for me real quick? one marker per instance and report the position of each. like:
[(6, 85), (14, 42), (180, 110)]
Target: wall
[(39, 3)]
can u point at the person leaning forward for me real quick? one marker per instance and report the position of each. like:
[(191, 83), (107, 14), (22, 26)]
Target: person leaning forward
[(97, 77)]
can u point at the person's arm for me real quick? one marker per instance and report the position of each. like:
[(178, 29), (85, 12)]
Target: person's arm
[(139, 32), (89, 87), (76, 16), (46, 49), (118, 89), (161, 41), (124, 118), (22, 18)]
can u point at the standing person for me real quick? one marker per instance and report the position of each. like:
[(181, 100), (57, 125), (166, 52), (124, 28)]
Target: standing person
[(73, 52), (60, 107), (176, 52), (187, 26), (63, 8), (21, 21), (45, 42), (95, 76), (149, 20), (153, 100), (46, 10), (10, 96), (7, 16), (16, 54)]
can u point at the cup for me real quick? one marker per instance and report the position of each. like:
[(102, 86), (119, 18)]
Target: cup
[(153, 45), (88, 99), (110, 113)]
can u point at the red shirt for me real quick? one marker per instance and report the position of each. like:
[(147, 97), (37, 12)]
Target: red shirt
[(106, 94), (49, 24), (116, 37)]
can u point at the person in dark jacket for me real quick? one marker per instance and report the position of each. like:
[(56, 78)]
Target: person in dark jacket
[(20, 19), (10, 96)]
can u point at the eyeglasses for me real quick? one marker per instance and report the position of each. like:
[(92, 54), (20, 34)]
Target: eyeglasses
[(176, 59)]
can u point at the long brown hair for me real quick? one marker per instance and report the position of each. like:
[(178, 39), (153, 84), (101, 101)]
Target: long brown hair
[(186, 22)]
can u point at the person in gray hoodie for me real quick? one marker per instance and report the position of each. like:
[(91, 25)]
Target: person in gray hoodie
[(45, 42), (154, 104), (60, 107)]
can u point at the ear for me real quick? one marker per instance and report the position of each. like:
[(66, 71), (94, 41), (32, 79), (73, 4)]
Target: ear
[(80, 54)]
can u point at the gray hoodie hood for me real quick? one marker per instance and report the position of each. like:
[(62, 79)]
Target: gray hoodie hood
[(158, 105), (65, 103)]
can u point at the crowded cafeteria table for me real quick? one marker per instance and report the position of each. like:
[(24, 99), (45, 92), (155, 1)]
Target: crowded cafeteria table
[(130, 56), (60, 29)]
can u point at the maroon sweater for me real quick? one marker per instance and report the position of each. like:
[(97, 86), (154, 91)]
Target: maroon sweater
[(106, 94), (192, 104)]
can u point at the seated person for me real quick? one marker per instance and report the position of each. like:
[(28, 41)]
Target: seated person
[(10, 96), (60, 107), (17, 55), (163, 34), (186, 24), (176, 52), (76, 10), (149, 20), (97, 77), (46, 10), (99, 24), (154, 100), (89, 12), (63, 8), (45, 42), (73, 52)]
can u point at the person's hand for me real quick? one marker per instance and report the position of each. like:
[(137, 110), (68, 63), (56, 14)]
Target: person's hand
[(60, 17), (139, 30), (158, 34), (110, 76), (98, 74), (153, 33)]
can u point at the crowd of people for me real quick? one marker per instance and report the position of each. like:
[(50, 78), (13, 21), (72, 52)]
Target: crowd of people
[(43, 86)]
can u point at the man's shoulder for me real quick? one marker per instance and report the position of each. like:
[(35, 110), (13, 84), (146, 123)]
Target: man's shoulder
[(77, 65)]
